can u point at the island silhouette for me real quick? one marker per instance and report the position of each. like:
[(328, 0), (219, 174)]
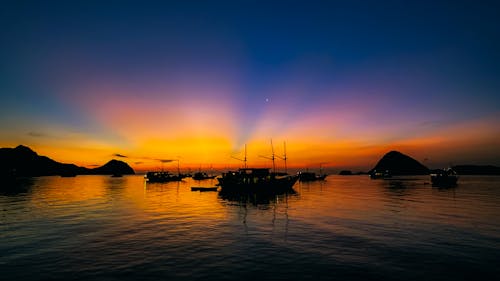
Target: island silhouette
[(22, 161), (397, 163)]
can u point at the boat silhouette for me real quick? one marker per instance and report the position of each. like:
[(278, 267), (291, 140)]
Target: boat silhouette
[(310, 176), (376, 174), (202, 176), (444, 178), (256, 179), (163, 176)]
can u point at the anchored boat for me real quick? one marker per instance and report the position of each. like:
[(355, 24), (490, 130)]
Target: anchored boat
[(444, 178), (163, 177), (256, 179), (310, 176), (202, 176)]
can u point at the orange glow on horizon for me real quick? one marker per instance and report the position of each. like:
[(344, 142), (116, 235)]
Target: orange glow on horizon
[(208, 133), (196, 151)]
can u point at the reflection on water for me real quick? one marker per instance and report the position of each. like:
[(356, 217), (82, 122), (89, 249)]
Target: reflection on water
[(351, 227), (258, 199), (16, 186)]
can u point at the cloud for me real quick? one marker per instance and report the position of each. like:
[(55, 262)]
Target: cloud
[(137, 163), (120, 155), (36, 134), (165, 160), (157, 159)]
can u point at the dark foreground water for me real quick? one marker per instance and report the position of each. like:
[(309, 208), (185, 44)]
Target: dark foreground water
[(350, 227)]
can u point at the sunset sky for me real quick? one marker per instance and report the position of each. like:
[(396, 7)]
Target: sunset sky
[(342, 82)]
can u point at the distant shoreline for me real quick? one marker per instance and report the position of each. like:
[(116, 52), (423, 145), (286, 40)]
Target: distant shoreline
[(22, 161)]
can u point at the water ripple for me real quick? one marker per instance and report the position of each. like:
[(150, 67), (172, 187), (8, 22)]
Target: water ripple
[(93, 227)]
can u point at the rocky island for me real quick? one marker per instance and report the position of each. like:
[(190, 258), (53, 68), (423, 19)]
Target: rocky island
[(22, 161), (397, 163)]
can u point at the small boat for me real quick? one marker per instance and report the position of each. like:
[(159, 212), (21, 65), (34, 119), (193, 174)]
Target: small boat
[(380, 174), (309, 176), (163, 177), (256, 180), (204, 188), (444, 178), (202, 176), (116, 175)]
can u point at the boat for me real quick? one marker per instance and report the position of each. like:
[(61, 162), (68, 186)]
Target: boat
[(116, 175), (444, 178), (202, 176), (310, 176), (376, 174), (163, 177), (256, 180)]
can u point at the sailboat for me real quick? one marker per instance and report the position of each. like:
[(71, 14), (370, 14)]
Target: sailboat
[(444, 178), (311, 176), (202, 175), (165, 176), (256, 179)]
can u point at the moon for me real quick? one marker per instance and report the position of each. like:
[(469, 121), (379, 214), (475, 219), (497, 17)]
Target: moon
[(267, 100)]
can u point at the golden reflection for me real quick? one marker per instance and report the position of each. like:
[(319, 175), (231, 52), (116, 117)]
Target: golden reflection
[(333, 205), (72, 190), (176, 200), (129, 194)]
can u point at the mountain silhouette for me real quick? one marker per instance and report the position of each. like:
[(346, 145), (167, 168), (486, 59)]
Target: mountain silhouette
[(114, 167), (398, 163), (22, 161)]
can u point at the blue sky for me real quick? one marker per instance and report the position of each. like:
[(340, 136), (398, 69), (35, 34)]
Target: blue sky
[(394, 64)]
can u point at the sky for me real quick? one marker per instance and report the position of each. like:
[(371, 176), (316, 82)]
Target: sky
[(340, 82)]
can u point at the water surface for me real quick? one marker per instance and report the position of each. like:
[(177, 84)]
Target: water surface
[(347, 227)]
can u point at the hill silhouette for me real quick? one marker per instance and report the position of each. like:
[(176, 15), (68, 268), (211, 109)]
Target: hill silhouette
[(398, 163), (114, 167), (477, 170), (22, 161)]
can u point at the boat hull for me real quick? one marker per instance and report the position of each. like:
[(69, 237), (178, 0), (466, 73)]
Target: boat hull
[(160, 177), (200, 177), (307, 176), (272, 185), (444, 178), (204, 188), (258, 181), (444, 181)]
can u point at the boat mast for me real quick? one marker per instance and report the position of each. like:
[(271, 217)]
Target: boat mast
[(272, 156), (321, 167), (244, 159), (284, 156)]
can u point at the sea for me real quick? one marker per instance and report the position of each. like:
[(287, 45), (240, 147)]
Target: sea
[(343, 228)]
